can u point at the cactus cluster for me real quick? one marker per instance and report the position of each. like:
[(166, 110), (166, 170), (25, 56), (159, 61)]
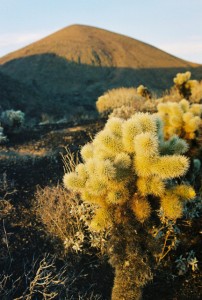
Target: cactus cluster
[(125, 163), (182, 119), (184, 85)]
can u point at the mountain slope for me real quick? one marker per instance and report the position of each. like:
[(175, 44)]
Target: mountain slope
[(15, 94), (93, 46), (75, 65)]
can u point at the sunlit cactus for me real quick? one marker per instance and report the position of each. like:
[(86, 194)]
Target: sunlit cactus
[(144, 92), (184, 85), (182, 119), (128, 172), (172, 206), (141, 208)]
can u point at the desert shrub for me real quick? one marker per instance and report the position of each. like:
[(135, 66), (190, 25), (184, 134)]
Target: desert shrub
[(128, 172), (182, 119), (119, 97), (6, 190), (123, 112), (66, 217), (3, 138), (11, 119), (126, 112), (45, 278)]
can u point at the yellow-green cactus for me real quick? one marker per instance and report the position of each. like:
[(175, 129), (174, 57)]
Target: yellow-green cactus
[(144, 92), (182, 119), (184, 85), (128, 157), (128, 171)]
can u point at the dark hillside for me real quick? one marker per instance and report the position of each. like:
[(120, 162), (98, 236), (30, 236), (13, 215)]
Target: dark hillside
[(71, 68)]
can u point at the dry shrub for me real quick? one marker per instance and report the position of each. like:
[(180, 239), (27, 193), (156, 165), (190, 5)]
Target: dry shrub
[(44, 278), (126, 112), (66, 217), (119, 97), (54, 205)]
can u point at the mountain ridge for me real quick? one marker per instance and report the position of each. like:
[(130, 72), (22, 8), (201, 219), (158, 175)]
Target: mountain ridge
[(101, 47)]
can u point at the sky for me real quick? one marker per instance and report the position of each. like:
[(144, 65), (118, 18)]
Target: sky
[(174, 26)]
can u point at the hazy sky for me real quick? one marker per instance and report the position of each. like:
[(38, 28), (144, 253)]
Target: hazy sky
[(174, 26)]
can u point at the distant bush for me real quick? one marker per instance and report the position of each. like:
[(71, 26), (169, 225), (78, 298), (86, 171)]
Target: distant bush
[(11, 119), (3, 138), (119, 97), (124, 102)]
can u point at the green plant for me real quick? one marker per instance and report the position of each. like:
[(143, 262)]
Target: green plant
[(184, 263), (3, 138), (11, 119), (127, 177)]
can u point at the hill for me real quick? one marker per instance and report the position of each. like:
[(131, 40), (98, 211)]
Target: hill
[(75, 65), (15, 94)]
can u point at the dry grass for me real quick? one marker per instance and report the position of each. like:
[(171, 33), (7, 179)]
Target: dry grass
[(54, 206), (44, 280), (66, 217), (119, 97), (124, 102)]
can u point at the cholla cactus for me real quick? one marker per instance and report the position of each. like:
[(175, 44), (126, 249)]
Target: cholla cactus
[(184, 85), (196, 95), (144, 92), (180, 118), (11, 119), (127, 170)]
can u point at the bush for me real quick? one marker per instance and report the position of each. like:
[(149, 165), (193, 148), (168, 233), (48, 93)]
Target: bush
[(66, 217), (119, 97), (11, 119), (3, 138)]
